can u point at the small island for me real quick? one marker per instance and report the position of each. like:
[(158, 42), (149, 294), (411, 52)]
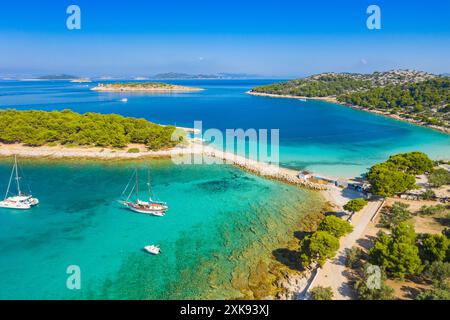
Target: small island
[(143, 87)]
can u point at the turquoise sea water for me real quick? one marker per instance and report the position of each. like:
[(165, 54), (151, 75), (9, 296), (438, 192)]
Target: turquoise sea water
[(221, 225), (315, 135), (219, 237)]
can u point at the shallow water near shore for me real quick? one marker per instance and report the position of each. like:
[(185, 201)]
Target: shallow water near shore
[(217, 238), (223, 225), (315, 135)]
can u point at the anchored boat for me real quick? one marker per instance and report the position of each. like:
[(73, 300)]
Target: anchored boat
[(152, 249), (21, 200), (152, 207)]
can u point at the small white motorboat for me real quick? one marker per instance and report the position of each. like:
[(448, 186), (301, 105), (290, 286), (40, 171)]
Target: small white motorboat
[(153, 249), (124, 100)]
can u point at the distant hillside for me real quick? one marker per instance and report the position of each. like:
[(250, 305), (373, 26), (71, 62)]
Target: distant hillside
[(417, 96), (57, 77), (225, 75), (175, 75), (334, 84)]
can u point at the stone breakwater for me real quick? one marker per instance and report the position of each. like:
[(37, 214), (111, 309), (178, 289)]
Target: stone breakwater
[(194, 153), (263, 169)]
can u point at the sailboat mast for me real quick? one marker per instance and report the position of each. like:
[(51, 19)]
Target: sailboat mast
[(17, 176), (148, 183), (10, 180), (137, 185)]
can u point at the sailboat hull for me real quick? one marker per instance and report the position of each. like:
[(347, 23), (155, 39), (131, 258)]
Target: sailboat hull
[(149, 207), (19, 204), (151, 210), (12, 205)]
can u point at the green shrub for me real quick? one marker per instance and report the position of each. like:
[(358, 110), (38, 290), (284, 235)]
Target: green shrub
[(133, 150), (355, 205), (321, 293), (395, 215), (438, 272), (432, 210), (335, 226), (428, 195), (318, 247), (353, 257), (397, 253), (433, 247), (371, 284), (439, 177)]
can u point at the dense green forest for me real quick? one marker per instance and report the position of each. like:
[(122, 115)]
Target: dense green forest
[(36, 128), (429, 100), (414, 95), (397, 174)]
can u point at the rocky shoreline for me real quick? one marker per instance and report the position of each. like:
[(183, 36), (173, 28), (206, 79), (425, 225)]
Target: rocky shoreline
[(335, 101), (177, 153)]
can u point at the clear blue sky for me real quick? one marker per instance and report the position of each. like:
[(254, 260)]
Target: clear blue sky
[(279, 37)]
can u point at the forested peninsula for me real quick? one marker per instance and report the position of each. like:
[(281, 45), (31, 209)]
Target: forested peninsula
[(68, 128), (409, 95)]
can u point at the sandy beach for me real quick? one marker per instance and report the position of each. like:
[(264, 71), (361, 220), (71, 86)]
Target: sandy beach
[(335, 101)]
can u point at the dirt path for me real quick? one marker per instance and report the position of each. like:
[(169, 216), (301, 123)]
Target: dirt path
[(333, 273)]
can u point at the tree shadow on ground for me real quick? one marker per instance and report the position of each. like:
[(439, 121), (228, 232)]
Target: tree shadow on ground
[(410, 292), (338, 214), (351, 193), (444, 221), (300, 235), (347, 288), (366, 242), (289, 258)]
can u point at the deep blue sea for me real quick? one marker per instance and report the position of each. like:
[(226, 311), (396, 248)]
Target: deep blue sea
[(315, 135)]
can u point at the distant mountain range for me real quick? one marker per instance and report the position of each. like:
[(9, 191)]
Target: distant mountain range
[(176, 75), (58, 77), (159, 76), (381, 77)]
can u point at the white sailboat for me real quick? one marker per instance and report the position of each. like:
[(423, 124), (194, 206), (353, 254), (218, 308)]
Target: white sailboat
[(152, 207), (20, 201)]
